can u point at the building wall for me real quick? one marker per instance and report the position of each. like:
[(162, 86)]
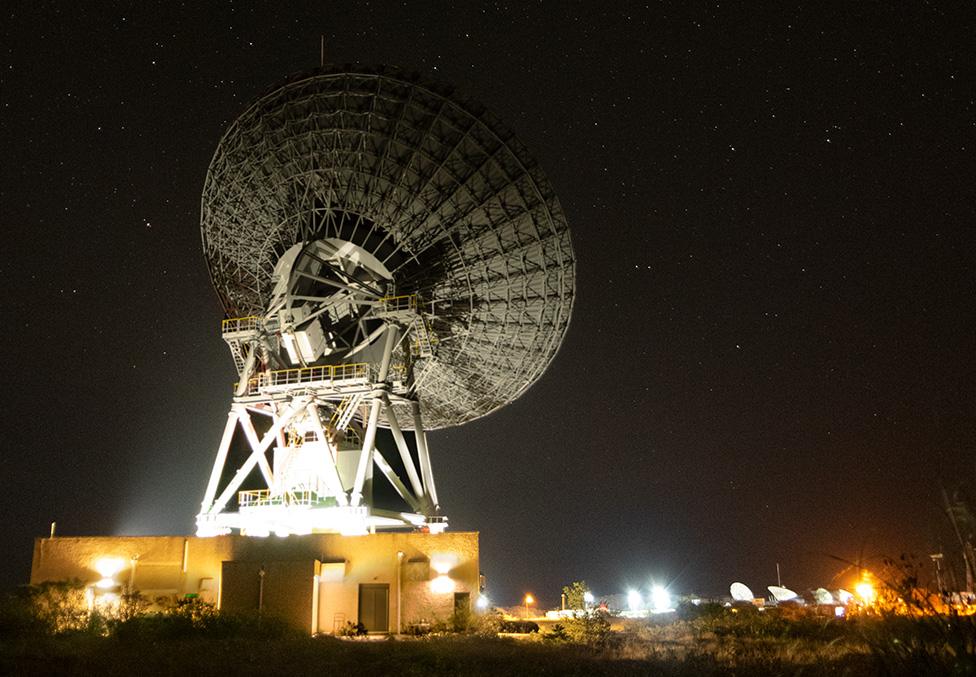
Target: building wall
[(310, 581)]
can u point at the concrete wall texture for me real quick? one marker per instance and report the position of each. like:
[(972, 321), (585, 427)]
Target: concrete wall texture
[(312, 582)]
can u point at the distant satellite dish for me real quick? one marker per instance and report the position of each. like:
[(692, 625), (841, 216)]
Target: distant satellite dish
[(823, 596), (844, 596), (781, 594), (741, 592)]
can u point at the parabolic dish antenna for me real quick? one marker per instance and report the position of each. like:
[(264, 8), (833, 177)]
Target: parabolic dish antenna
[(434, 187), (823, 596), (781, 594), (388, 255), (741, 593)]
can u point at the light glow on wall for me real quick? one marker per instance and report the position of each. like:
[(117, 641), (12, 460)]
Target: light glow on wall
[(443, 563), (442, 584)]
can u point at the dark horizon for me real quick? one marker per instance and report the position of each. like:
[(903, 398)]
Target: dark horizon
[(771, 357)]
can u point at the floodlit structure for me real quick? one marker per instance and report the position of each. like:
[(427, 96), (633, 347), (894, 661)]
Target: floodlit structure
[(388, 256)]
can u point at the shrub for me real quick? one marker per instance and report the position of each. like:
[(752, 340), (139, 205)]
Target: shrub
[(518, 626), (488, 624), (58, 607), (556, 634), (592, 629)]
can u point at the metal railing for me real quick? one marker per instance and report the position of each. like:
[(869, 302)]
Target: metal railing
[(260, 497), (395, 304), (237, 324), (327, 373)]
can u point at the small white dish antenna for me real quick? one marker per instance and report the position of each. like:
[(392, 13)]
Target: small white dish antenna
[(823, 596), (781, 594), (741, 592)]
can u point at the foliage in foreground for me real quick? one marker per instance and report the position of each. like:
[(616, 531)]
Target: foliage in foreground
[(42, 632)]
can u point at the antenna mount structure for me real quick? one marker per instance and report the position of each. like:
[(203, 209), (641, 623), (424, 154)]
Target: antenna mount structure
[(388, 255)]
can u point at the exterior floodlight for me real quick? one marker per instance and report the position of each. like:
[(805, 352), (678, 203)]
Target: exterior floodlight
[(588, 597), (661, 599), (844, 596), (106, 584), (634, 600), (442, 565), (107, 567), (481, 602)]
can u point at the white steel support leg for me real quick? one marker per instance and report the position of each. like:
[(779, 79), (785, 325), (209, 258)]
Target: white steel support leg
[(297, 405), (218, 467), (397, 483), (365, 456), (252, 438), (369, 438), (418, 487), (418, 430), (331, 472)]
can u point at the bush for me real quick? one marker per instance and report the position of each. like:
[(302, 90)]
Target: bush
[(54, 608), (518, 626), (488, 624), (592, 629), (556, 634)]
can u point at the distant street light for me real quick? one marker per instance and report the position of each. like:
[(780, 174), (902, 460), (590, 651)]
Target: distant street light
[(529, 599), (866, 592)]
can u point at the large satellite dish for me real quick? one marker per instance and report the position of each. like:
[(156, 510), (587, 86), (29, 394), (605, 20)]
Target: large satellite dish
[(430, 184), (388, 255), (740, 592), (781, 594)]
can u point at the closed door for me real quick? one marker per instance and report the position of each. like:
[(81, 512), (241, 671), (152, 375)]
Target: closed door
[(374, 606)]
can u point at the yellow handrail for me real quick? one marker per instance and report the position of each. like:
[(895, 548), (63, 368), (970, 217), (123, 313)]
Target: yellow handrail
[(239, 323), (402, 302), (325, 372)]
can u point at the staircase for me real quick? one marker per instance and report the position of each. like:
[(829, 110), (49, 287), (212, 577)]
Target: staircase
[(343, 413)]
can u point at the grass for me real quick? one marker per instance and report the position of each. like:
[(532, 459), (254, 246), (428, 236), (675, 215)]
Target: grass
[(38, 636), (87, 655)]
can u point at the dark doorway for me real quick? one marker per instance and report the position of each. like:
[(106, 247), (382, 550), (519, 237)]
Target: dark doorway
[(462, 603), (374, 606)]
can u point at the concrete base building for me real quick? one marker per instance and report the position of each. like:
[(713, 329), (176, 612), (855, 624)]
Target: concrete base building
[(316, 582)]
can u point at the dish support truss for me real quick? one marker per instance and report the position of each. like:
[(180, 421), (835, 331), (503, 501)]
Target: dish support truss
[(320, 424)]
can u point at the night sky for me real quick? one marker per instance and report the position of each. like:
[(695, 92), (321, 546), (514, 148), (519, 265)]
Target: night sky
[(772, 356)]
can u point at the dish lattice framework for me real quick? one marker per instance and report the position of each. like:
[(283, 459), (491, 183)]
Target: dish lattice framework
[(435, 187)]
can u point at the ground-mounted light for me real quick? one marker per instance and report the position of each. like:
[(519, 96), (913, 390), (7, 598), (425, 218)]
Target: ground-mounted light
[(588, 598), (481, 603), (634, 600), (661, 599)]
